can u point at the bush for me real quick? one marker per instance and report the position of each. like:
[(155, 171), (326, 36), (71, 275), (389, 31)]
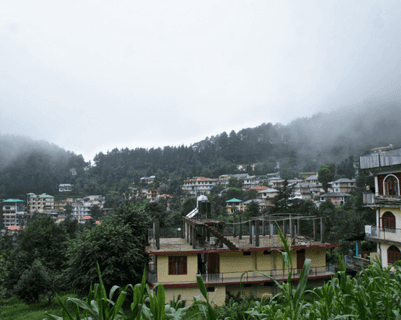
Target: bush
[(34, 283)]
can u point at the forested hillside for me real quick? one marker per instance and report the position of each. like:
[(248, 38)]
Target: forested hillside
[(305, 144), (27, 165)]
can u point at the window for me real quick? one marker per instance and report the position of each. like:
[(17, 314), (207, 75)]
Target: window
[(177, 265), (246, 253), (388, 220), (391, 186), (267, 252), (393, 254), (210, 289)]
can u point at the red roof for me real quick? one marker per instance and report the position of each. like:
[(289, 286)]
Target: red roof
[(86, 217), (165, 196), (13, 228), (98, 222), (258, 188)]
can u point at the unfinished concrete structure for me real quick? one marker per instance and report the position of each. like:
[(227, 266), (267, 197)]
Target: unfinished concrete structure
[(221, 252)]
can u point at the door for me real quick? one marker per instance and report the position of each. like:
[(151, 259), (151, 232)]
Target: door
[(300, 259)]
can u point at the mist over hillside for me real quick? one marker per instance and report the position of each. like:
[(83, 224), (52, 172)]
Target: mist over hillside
[(304, 144)]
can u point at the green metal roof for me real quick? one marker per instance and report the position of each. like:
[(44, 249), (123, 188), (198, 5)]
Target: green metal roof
[(44, 195), (234, 200), (13, 200)]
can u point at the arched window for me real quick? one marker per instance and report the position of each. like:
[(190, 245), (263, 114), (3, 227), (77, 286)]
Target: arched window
[(391, 186), (388, 220), (393, 254)]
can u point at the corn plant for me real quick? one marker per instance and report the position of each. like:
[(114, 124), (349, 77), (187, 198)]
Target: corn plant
[(100, 306)]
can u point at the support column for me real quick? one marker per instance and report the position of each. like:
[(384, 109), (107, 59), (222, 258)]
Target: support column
[(190, 234), (284, 229), (240, 227), (257, 233), (194, 237), (157, 235), (314, 229), (271, 235), (298, 227), (377, 185), (250, 231), (291, 231), (234, 228), (321, 230), (264, 226)]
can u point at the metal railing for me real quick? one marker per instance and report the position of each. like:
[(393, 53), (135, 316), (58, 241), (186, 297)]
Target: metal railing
[(230, 277), (391, 234)]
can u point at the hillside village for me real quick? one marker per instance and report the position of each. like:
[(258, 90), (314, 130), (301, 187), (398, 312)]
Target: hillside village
[(16, 213)]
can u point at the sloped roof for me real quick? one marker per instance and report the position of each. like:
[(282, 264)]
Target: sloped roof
[(268, 190), (13, 200), (14, 228), (234, 200)]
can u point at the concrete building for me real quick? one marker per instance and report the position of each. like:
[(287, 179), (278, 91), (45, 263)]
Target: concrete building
[(40, 203), (198, 186), (14, 213), (385, 166), (221, 252), (343, 185), (65, 187)]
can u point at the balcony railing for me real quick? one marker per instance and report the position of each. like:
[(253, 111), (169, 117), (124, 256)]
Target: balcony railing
[(368, 198), (389, 234), (234, 277)]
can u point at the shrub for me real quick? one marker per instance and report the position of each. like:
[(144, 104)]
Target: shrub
[(34, 283)]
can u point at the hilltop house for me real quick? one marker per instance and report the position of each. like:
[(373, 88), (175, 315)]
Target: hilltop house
[(343, 185), (386, 200), (221, 252)]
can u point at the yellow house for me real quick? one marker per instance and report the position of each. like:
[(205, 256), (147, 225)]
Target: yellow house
[(386, 200), (221, 252)]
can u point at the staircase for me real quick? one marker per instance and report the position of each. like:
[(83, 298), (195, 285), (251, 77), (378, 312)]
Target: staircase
[(219, 236)]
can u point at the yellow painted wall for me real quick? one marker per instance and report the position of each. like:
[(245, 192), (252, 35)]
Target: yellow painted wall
[(397, 214), (162, 269), (317, 256), (217, 297), (236, 262)]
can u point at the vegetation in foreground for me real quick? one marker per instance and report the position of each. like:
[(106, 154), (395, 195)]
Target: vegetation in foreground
[(374, 294)]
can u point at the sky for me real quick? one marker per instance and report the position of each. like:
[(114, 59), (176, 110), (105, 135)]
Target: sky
[(92, 76)]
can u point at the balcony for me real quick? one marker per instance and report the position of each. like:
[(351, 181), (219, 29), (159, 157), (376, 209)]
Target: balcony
[(371, 199), (392, 235), (235, 277)]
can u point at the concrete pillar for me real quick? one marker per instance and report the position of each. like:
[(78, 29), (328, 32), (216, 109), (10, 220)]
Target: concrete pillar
[(264, 226), (321, 230), (234, 227), (194, 237), (291, 231), (314, 229), (271, 235), (284, 229), (157, 235), (190, 234), (257, 233), (240, 227), (250, 231), (298, 227), (377, 186)]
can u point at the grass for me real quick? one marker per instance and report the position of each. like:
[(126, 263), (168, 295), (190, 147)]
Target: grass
[(14, 309)]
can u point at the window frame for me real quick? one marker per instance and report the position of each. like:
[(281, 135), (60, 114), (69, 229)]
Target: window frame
[(177, 265), (393, 255), (391, 188)]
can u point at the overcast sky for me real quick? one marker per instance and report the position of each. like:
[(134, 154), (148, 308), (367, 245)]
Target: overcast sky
[(94, 75)]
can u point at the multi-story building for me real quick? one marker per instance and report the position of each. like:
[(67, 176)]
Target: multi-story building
[(199, 185), (343, 185), (268, 195), (65, 187), (234, 205), (14, 213), (338, 198), (40, 203), (222, 252), (249, 183), (82, 206), (308, 190), (386, 200)]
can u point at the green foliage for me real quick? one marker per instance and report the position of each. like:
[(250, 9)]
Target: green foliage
[(34, 283), (326, 174), (116, 244)]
